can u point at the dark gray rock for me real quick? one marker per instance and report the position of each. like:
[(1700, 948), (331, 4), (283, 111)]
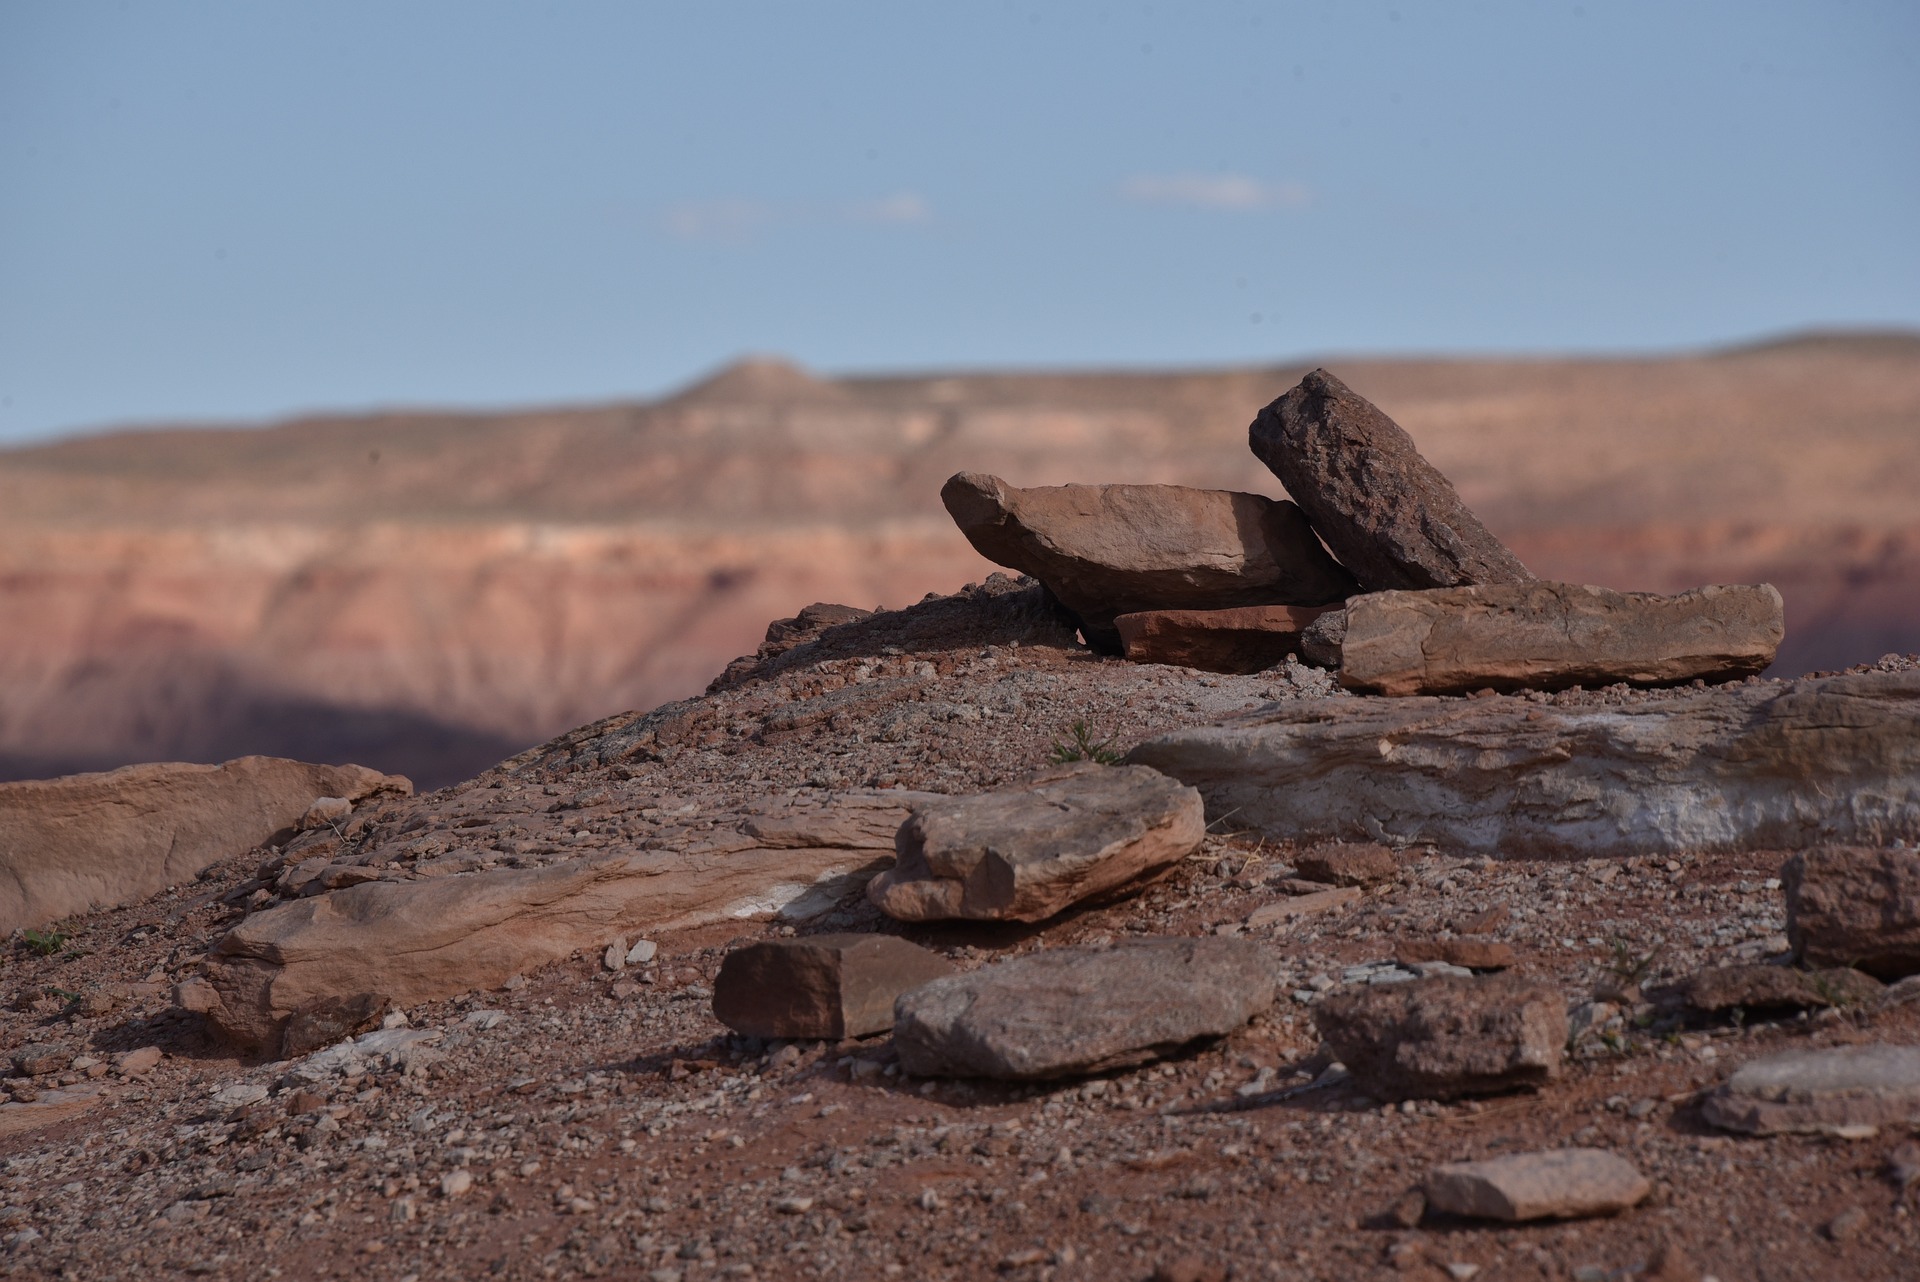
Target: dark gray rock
[(1446, 1037), (820, 986), (1070, 1011), (1321, 640)]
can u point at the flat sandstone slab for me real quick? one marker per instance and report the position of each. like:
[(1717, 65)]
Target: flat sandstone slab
[(1069, 1011), (1559, 1184), (1551, 636), (1761, 766), (1849, 1091), (1248, 638), (1445, 1037)]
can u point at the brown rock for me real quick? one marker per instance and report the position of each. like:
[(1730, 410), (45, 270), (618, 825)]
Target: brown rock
[(331, 1019), (1779, 766), (1027, 852), (39, 1058), (1849, 1091), (140, 1060), (1303, 906), (1855, 906), (820, 986), (1551, 636), (1559, 1184), (90, 841), (1468, 951), (1107, 550), (1348, 863), (49, 1107), (1760, 987), (1387, 513), (1248, 638), (1446, 1037)]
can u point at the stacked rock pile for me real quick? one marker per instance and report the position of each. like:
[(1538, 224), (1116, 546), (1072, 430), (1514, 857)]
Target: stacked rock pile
[(1375, 567)]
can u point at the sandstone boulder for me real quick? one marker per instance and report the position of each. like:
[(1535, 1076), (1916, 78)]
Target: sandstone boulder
[(1467, 951), (1559, 1184), (820, 986), (1768, 765), (1248, 638), (412, 941), (82, 842), (1855, 906), (1027, 852), (1387, 513), (1445, 1037), (1550, 636), (1756, 987), (1849, 1091), (1347, 863), (1108, 550), (1069, 1011)]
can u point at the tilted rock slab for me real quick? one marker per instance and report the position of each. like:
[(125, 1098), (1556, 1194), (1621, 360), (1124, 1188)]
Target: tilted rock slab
[(1107, 550), (1445, 1037), (1247, 638), (1849, 1091), (1757, 987), (1855, 906), (1772, 765), (1550, 636), (82, 842), (820, 986), (1027, 852), (1387, 513), (1069, 1011), (1561, 1184), (412, 941)]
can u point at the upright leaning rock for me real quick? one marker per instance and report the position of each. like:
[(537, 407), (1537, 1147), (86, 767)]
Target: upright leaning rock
[(1387, 513), (1107, 550), (1549, 636), (1855, 906), (820, 986)]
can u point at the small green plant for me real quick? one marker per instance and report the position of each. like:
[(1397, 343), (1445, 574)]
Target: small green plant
[(1630, 967), (45, 942), (1080, 746)]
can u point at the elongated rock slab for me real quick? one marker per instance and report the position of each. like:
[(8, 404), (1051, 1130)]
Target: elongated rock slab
[(1247, 638), (820, 986), (1027, 852), (1387, 513), (1853, 906), (1069, 1011), (1769, 765), (1550, 636), (1849, 1091), (1561, 1184), (1108, 550)]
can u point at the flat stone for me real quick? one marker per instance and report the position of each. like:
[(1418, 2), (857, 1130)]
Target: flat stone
[(1248, 638), (1855, 906), (820, 986), (52, 1106), (1319, 901), (1108, 550), (1759, 987), (1348, 863), (1027, 852), (37, 1058), (1445, 1037), (1387, 513), (1559, 1184), (1760, 766), (1552, 636), (1065, 1012), (1848, 1091), (1468, 951)]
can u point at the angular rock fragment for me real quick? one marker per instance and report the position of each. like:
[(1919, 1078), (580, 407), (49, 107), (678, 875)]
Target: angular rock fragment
[(1027, 852), (1559, 1184), (331, 1019), (1248, 638), (1446, 1037), (1387, 513), (1778, 766), (1321, 640), (1757, 987), (1348, 863), (1069, 1011), (820, 986), (1107, 550), (1302, 906), (1469, 951), (1848, 1091), (1551, 636), (1855, 906)]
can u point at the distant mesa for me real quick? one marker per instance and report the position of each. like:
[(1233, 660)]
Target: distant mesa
[(761, 380)]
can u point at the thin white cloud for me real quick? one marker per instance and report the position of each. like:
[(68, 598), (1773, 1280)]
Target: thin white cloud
[(901, 207), (1234, 193), (726, 220)]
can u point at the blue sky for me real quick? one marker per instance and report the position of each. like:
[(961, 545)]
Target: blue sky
[(230, 211)]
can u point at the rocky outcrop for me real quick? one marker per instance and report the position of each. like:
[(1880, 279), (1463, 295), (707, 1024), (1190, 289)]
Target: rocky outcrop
[(100, 840), (1069, 1011), (1550, 636), (1249, 638), (820, 986), (1387, 513), (1108, 550), (1754, 766), (409, 941), (1855, 906), (1559, 1184), (1028, 852), (1849, 1091), (1445, 1037)]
